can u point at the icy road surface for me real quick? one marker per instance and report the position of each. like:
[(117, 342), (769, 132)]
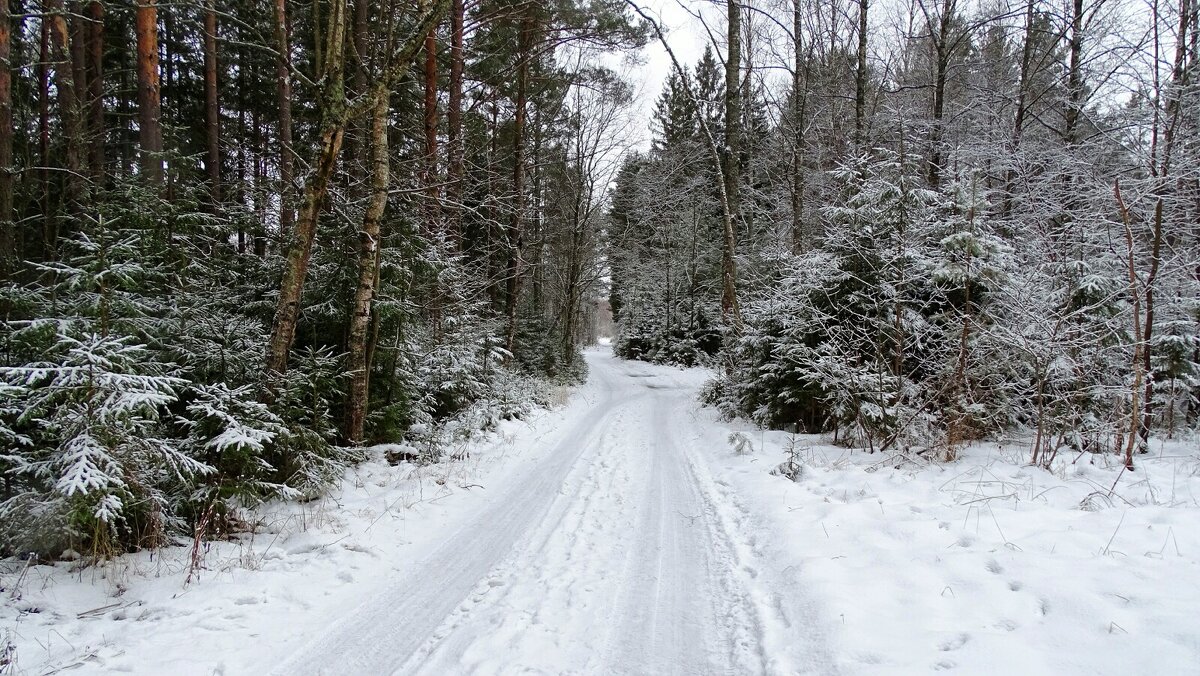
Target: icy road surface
[(613, 553)]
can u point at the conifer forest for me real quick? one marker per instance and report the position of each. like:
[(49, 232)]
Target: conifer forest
[(253, 251)]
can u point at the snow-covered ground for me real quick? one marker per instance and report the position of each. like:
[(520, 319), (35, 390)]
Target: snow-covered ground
[(623, 533)]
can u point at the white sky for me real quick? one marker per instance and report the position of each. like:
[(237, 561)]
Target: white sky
[(687, 39)]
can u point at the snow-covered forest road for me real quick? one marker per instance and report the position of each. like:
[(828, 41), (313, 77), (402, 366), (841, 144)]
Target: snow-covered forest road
[(615, 552), (630, 530)]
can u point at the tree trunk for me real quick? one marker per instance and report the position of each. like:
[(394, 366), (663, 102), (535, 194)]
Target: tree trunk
[(68, 109), (1135, 297), (149, 102), (1074, 74), (454, 131), (334, 114), (95, 40), (799, 99), (283, 74), (49, 222), (515, 237), (431, 141), (1023, 80), (860, 79), (212, 111), (943, 50), (368, 252), (731, 175), (1148, 329), (332, 107), (10, 253)]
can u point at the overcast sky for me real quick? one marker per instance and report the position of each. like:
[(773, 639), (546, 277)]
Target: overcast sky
[(687, 38)]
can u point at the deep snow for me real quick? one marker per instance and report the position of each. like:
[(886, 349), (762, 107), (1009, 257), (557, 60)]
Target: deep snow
[(623, 534)]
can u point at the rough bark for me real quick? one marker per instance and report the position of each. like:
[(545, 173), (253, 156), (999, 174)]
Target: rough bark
[(368, 253), (10, 254), (95, 48), (430, 119), (283, 75), (454, 129), (149, 96), (860, 78), (332, 107), (1074, 74), (49, 222), (799, 101), (212, 111), (68, 109), (335, 112), (515, 238), (943, 50), (1135, 297), (731, 170)]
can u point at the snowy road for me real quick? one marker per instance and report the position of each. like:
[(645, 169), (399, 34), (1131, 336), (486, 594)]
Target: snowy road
[(614, 552), (631, 531)]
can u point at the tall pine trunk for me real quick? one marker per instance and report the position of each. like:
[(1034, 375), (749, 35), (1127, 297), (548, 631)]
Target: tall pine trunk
[(150, 140), (95, 50), (10, 245), (430, 118), (283, 99), (212, 111), (515, 238), (454, 127)]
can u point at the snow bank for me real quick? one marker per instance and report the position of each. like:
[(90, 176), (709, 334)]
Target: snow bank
[(985, 565), (258, 594)]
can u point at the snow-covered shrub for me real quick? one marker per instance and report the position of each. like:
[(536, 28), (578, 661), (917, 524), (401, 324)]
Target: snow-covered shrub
[(1177, 375), (306, 457), (873, 337), (97, 462), (232, 432)]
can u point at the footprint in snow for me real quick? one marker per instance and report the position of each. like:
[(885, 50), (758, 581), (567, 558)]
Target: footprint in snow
[(1016, 585), (954, 643), (869, 658), (994, 567)]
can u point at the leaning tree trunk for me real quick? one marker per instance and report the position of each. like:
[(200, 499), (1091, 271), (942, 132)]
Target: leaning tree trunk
[(332, 106), (334, 114), (368, 271)]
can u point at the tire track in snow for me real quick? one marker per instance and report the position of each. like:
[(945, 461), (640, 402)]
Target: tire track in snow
[(614, 553), (384, 631)]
